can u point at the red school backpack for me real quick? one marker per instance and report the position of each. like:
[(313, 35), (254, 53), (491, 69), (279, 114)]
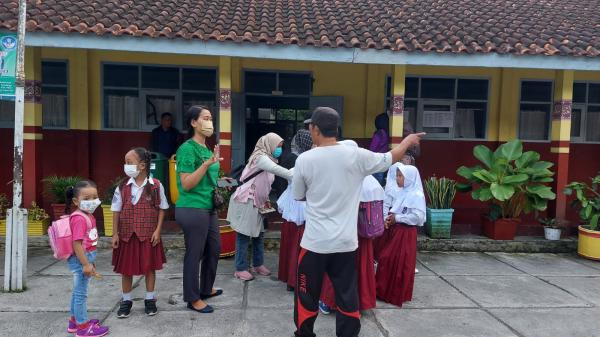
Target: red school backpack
[(370, 219), (61, 237)]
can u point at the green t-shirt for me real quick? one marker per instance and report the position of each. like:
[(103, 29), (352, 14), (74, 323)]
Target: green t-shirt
[(190, 156)]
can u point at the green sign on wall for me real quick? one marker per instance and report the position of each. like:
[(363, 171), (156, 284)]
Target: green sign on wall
[(8, 65)]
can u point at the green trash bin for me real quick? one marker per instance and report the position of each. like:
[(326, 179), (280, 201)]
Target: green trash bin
[(159, 167)]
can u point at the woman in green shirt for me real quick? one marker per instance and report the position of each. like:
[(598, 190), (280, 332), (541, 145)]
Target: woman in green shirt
[(197, 174)]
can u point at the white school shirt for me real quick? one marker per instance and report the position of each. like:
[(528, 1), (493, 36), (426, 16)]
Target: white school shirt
[(136, 193), (330, 178)]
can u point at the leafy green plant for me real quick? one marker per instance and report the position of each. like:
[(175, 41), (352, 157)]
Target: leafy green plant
[(225, 192), (512, 181), (110, 191), (56, 187), (36, 213), (4, 204), (587, 200), (440, 192), (552, 223)]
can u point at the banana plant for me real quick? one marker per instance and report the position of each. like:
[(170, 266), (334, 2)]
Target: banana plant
[(512, 181)]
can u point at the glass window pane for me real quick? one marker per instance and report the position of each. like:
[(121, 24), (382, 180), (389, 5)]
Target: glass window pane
[(7, 111), (286, 114), (54, 73), (54, 106), (470, 120), (437, 88), (594, 93), (412, 87), (534, 121), (472, 89), (116, 75), (579, 92), (266, 114), (160, 78), (121, 109), (260, 82), (435, 119), (576, 122), (410, 115), (295, 84), (388, 86), (592, 122), (207, 100), (536, 91), (200, 79)]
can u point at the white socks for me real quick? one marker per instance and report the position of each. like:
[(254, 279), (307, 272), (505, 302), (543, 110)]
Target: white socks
[(149, 296)]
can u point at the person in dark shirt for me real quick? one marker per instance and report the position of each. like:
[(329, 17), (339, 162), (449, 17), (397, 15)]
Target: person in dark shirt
[(165, 138)]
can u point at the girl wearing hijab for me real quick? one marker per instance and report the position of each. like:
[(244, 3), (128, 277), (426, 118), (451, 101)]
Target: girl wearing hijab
[(404, 211), (380, 142), (371, 192), (292, 211), (251, 200)]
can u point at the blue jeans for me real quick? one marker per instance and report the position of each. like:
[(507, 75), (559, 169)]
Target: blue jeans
[(241, 251), (80, 287)]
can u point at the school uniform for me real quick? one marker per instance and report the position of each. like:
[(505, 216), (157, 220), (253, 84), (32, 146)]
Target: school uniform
[(397, 255), (138, 218)]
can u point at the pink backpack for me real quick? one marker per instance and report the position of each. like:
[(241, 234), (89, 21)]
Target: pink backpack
[(370, 219), (60, 236)]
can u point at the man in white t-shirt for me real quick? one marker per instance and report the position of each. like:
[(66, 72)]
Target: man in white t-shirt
[(330, 177)]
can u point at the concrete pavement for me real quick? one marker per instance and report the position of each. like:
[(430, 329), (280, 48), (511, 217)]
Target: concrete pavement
[(456, 294)]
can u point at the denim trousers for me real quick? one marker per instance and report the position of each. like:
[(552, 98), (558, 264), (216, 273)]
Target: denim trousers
[(241, 252), (80, 287)]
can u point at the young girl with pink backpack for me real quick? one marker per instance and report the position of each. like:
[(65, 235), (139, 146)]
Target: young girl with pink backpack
[(74, 238)]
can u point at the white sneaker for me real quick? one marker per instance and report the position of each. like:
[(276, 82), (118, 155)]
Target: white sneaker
[(416, 271)]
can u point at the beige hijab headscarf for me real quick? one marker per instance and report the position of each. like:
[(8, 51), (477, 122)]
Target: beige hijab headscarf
[(266, 145)]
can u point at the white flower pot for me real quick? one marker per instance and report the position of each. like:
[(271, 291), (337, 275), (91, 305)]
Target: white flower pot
[(552, 233)]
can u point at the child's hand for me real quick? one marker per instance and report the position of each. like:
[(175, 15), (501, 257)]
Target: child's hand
[(155, 238), (89, 270), (115, 241), (389, 220)]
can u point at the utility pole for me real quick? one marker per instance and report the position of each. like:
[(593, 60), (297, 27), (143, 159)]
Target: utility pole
[(15, 259)]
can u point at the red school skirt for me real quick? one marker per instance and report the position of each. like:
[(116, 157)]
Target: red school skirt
[(296, 236), (396, 265), (137, 257), (366, 278), (285, 247)]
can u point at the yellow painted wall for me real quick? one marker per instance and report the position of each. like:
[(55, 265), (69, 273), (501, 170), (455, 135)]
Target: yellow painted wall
[(362, 86)]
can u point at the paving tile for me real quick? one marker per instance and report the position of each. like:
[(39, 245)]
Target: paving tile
[(513, 292), (586, 288), (441, 323), (50, 324), (444, 263), (571, 322), (546, 264)]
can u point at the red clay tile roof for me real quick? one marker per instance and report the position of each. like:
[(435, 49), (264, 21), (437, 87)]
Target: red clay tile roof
[(546, 27)]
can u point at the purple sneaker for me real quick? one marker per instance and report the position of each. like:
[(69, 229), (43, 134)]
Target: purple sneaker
[(73, 326), (92, 330)]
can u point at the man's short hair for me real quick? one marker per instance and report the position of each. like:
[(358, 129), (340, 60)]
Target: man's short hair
[(327, 119), (166, 114)]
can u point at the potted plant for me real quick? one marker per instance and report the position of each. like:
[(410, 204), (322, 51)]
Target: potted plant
[(587, 200), (106, 203), (552, 228), (440, 193), (227, 233), (4, 204), (56, 188), (37, 220), (512, 182)]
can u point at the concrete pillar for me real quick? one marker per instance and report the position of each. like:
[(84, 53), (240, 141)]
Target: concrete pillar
[(225, 111), (397, 117), (561, 136), (32, 136)]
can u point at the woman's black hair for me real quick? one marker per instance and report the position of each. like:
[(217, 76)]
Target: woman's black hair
[(73, 192), (382, 122), (193, 114), (145, 157)]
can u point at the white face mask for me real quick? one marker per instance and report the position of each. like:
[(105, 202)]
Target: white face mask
[(131, 170), (89, 206)]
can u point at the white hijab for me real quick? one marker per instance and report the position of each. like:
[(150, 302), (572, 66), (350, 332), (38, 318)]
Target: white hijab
[(371, 189), (411, 195)]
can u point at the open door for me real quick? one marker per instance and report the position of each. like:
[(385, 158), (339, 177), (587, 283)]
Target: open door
[(238, 129)]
